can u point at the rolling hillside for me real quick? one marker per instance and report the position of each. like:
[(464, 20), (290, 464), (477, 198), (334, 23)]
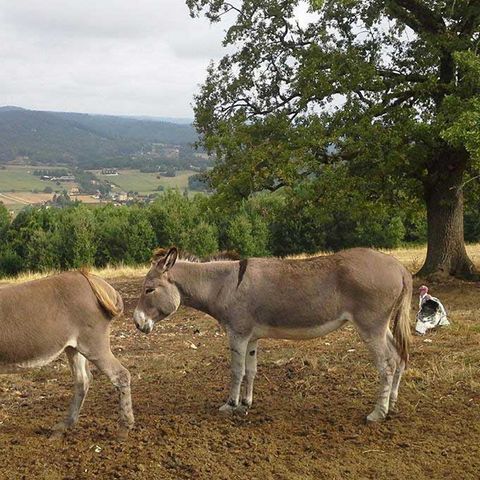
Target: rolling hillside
[(77, 139)]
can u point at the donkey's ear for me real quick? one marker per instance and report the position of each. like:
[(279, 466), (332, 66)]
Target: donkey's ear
[(170, 258), (164, 260)]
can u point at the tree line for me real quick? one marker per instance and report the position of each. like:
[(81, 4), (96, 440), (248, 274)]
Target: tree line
[(329, 214)]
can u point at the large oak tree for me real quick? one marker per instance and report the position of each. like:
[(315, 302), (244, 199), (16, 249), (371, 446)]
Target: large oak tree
[(389, 88)]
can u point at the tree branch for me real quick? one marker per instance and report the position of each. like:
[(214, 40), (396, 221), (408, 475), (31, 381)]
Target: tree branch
[(409, 77), (417, 16), (471, 18)]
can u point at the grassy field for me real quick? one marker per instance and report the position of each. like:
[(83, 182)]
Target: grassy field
[(145, 183), (17, 184), (20, 178)]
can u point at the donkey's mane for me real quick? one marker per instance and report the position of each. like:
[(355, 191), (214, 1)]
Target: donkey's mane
[(225, 255)]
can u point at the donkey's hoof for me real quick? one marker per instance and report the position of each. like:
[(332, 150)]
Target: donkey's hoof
[(242, 409), (393, 408), (228, 409), (123, 433), (375, 417), (58, 432), (60, 427)]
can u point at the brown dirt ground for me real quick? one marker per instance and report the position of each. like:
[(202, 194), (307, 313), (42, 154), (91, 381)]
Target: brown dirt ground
[(307, 421)]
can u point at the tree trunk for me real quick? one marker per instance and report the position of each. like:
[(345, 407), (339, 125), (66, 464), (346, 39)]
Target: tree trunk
[(446, 253)]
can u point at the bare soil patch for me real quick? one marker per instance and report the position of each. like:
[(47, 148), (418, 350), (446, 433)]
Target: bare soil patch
[(306, 423)]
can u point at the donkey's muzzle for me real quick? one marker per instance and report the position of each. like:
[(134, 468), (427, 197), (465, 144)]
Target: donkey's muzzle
[(145, 328), (143, 323)]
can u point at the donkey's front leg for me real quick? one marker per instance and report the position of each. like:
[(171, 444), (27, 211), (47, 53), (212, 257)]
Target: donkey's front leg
[(238, 350), (250, 372)]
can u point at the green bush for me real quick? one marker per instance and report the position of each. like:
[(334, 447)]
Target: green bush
[(180, 221), (247, 233), (10, 263), (33, 236), (123, 235), (4, 223), (333, 212), (77, 245)]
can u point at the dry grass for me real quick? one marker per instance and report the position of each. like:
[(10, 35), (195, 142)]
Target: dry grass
[(109, 272), (411, 257)]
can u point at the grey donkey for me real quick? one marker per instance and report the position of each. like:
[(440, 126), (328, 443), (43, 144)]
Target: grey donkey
[(259, 298)]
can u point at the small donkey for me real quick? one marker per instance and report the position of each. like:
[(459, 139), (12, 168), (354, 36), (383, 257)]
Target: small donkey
[(293, 299), (70, 312)]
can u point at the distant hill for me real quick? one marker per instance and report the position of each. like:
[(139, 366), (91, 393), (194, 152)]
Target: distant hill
[(9, 108), (80, 139), (177, 120)]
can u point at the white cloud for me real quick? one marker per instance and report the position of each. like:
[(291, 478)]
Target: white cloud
[(110, 56)]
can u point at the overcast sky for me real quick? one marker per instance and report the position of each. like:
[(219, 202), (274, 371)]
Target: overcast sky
[(128, 57)]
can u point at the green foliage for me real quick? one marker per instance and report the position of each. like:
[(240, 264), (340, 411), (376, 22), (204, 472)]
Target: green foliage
[(179, 220), (198, 182), (10, 262), (123, 235), (77, 245), (34, 237), (336, 211), (247, 232), (202, 239), (464, 129), (4, 222), (89, 183), (472, 209)]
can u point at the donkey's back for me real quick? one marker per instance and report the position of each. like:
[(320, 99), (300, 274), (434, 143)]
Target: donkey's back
[(310, 293)]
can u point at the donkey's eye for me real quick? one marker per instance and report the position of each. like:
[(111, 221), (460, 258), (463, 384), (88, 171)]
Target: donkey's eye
[(149, 290)]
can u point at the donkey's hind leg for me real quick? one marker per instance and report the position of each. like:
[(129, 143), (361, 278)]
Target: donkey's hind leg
[(386, 359), (81, 377), (120, 377), (238, 351), (397, 376)]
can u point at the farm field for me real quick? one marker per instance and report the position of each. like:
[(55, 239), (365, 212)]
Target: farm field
[(145, 183), (307, 421), (17, 185), (20, 178)]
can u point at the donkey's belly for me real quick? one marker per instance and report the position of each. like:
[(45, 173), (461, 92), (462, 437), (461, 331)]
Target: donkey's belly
[(15, 361), (17, 367), (297, 333)]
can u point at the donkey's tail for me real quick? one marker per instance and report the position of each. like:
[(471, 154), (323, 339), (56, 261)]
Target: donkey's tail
[(107, 296), (401, 318)]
